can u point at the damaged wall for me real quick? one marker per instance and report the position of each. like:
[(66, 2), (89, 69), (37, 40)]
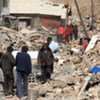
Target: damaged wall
[(50, 21), (50, 14), (4, 7), (44, 20)]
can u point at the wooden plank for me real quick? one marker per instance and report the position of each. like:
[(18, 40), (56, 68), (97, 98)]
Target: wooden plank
[(92, 43)]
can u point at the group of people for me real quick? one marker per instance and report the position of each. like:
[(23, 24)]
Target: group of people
[(68, 33), (71, 33), (23, 68), (23, 64)]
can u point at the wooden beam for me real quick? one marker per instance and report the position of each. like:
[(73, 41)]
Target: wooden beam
[(80, 16), (92, 14)]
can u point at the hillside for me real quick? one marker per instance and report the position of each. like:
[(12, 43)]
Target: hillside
[(84, 5)]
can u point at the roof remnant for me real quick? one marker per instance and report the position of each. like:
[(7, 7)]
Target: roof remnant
[(35, 7)]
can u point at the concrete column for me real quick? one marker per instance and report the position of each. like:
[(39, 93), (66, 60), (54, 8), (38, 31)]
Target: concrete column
[(1, 5)]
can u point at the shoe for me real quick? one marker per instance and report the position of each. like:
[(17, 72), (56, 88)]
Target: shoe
[(6, 93), (43, 82), (24, 98), (50, 79), (21, 98), (9, 96), (12, 93)]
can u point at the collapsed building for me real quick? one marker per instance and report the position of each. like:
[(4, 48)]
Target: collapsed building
[(70, 71), (48, 13)]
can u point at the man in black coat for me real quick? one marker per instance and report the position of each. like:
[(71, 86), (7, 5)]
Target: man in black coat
[(7, 63), (45, 60)]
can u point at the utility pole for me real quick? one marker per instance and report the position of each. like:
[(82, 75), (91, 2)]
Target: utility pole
[(79, 13), (92, 14)]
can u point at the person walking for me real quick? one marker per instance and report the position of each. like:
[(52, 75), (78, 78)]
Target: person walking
[(24, 68), (7, 65), (45, 60)]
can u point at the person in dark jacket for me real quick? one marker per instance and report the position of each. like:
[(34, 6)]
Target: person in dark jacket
[(23, 67), (74, 33), (45, 60), (7, 63)]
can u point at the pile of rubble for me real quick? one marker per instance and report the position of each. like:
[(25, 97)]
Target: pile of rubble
[(71, 77), (17, 39), (10, 37), (68, 82)]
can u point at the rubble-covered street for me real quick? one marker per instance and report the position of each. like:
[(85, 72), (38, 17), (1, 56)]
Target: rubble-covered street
[(76, 74), (70, 70)]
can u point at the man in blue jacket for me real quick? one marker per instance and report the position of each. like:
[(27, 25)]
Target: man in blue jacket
[(23, 67)]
